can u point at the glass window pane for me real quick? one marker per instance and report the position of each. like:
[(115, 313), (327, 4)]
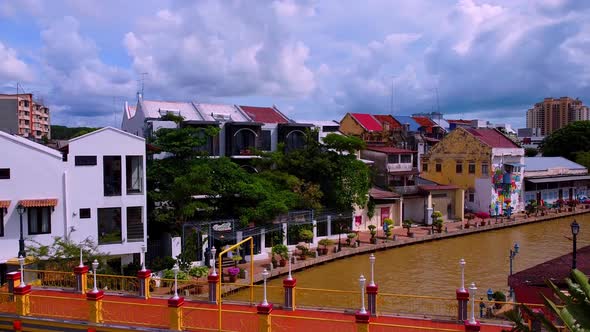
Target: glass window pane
[(109, 225), (134, 223), (134, 172), (112, 175)]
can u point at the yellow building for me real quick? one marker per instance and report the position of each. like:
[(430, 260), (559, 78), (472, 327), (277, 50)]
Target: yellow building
[(484, 163)]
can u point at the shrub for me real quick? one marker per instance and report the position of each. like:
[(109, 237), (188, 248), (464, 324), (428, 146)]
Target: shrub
[(233, 271), (281, 250), (372, 230), (305, 235), (163, 263), (482, 215), (388, 224), (326, 242), (349, 237), (198, 271), (407, 224), (169, 274)]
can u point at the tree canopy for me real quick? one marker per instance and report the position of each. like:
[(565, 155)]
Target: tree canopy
[(568, 141)]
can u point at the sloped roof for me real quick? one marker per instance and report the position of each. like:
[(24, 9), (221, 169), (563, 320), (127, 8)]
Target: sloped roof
[(30, 144), (222, 112), (404, 119), (367, 121), (388, 149), (264, 114), (545, 163), (4, 204), (387, 118), (118, 131), (465, 122), (492, 137), (155, 109), (424, 121), (378, 193), (39, 202)]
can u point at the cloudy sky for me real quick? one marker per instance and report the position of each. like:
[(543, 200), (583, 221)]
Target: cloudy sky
[(313, 59)]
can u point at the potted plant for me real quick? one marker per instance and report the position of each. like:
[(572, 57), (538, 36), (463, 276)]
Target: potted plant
[(282, 251), (305, 235), (236, 259), (559, 204), (387, 227), (572, 203), (407, 224), (469, 216), (373, 231), (437, 221), (303, 251), (242, 274), (349, 238), (482, 215), (325, 243), (232, 272)]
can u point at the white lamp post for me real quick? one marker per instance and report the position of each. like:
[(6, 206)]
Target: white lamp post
[(265, 275), (372, 260), (213, 252), (472, 288), (290, 254), (81, 261), (21, 261), (175, 269), (143, 258), (462, 264), (94, 267), (362, 283)]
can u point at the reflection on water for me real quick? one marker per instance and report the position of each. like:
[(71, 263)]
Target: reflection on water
[(432, 268)]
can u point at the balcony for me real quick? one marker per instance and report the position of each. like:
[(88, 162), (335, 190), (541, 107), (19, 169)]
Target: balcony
[(405, 190)]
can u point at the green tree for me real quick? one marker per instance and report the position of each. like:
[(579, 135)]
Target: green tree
[(530, 152), (583, 158), (567, 141)]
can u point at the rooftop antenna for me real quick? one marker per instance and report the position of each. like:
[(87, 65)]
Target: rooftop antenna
[(141, 83), (437, 103)]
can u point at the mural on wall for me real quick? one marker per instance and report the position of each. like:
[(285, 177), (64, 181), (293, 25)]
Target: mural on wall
[(506, 190)]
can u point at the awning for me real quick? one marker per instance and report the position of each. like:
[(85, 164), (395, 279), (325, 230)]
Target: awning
[(515, 164), (4, 204), (558, 178), (42, 202)]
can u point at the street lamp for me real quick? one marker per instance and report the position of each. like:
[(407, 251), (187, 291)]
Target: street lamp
[(472, 289), (462, 264), (372, 261), (21, 262), (143, 258), (21, 241), (175, 269), (490, 294), (265, 275), (339, 233), (290, 255), (575, 230), (213, 251), (94, 267), (513, 253), (81, 260), (362, 283)]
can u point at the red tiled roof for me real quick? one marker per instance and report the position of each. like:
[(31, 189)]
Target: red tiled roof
[(367, 121), (386, 118), (424, 121), (388, 149), (264, 114), (460, 121), (43, 202), (378, 193), (492, 137), (4, 204)]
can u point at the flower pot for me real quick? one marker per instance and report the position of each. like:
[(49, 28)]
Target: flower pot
[(233, 277), (411, 234), (283, 262)]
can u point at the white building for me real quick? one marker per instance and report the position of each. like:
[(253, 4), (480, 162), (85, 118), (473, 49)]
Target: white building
[(95, 189)]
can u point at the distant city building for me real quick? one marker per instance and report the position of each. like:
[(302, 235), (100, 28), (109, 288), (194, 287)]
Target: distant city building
[(21, 114), (530, 137), (553, 178), (552, 114)]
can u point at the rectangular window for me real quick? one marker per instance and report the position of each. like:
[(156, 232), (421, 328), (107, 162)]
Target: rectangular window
[(134, 171), (1, 222), (85, 160), (112, 175), (425, 167), (406, 159), (471, 168), (459, 167), (84, 213), (134, 223), (484, 169), (438, 167), (393, 159), (266, 139), (4, 173), (471, 196), (109, 225), (39, 220)]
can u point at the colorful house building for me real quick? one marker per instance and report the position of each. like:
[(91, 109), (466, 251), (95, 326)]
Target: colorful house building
[(483, 162), (373, 129)]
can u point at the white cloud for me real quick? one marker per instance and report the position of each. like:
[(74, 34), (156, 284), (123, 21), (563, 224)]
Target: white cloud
[(12, 68)]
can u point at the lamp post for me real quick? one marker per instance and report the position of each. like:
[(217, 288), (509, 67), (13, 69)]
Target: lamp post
[(462, 265), (472, 290), (490, 294), (213, 252), (21, 241), (339, 233), (372, 261), (175, 270), (575, 230), (290, 255), (21, 262), (81, 258), (362, 283), (143, 258), (265, 275), (513, 252), (94, 267)]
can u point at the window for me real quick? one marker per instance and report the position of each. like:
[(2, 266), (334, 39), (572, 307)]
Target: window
[(134, 172), (109, 225), (266, 137), (134, 223), (406, 158), (471, 168), (39, 220), (471, 196), (1, 222), (84, 213), (393, 159), (459, 167), (112, 175), (438, 167), (295, 140), (484, 169), (425, 167), (330, 129), (85, 160), (4, 173)]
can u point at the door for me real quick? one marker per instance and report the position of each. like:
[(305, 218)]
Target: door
[(384, 214)]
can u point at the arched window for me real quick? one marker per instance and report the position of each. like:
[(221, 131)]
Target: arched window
[(245, 141), (295, 140)]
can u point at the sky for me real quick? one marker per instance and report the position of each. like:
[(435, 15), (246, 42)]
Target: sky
[(314, 60)]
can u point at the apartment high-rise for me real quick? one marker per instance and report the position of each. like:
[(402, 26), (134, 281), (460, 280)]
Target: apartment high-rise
[(22, 115), (555, 113)]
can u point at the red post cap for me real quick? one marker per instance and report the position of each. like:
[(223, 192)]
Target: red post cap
[(144, 274), (175, 303), (362, 317), (264, 309), (289, 283), (95, 296), (22, 290), (213, 278), (462, 294), (81, 269), (475, 327), (372, 289)]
